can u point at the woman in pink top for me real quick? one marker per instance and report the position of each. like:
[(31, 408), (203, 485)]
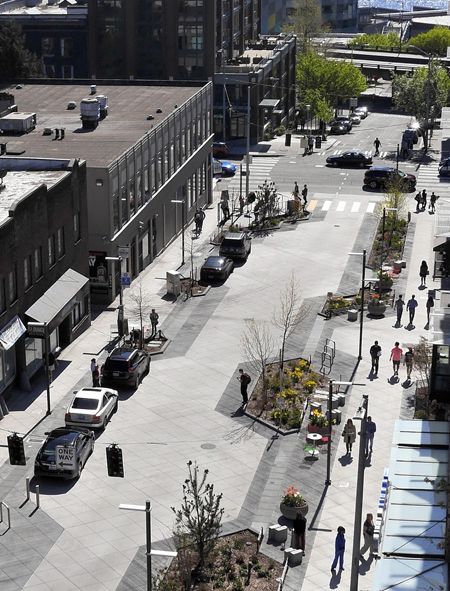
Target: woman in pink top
[(396, 357)]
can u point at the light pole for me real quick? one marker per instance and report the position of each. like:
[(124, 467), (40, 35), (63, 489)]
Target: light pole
[(361, 414), (363, 292), (247, 149), (385, 209), (120, 313), (427, 94), (183, 224), (330, 405), (40, 330), (148, 531)]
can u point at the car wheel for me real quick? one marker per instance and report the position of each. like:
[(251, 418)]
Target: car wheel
[(79, 469), (136, 382), (335, 164), (373, 184)]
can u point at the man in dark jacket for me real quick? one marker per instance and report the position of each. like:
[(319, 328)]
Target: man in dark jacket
[(375, 352)]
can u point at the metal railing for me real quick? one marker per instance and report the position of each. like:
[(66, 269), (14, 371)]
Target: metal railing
[(3, 505)]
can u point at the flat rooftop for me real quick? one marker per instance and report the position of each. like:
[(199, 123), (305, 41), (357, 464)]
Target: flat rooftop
[(16, 184), (126, 123)]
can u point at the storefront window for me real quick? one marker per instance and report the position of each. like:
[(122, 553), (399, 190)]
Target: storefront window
[(7, 367), (33, 354)]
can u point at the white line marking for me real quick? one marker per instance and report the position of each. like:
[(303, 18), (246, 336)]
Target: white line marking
[(355, 206), (326, 206), (370, 207), (341, 206)]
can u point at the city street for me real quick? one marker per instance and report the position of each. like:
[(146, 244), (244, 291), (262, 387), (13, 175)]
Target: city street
[(187, 408)]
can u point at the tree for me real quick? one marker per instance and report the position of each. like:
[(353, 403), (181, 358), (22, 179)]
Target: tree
[(375, 40), (140, 307), (434, 42), (423, 353), (305, 21), (257, 344), (200, 515), (15, 60)]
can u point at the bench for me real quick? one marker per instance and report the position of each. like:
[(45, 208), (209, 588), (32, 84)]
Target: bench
[(277, 533)]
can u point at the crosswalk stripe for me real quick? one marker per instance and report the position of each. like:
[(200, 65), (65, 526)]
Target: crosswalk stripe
[(312, 205), (326, 205), (355, 206), (341, 206), (370, 207)]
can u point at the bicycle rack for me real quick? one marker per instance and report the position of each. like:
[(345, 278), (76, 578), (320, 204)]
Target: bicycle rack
[(328, 354)]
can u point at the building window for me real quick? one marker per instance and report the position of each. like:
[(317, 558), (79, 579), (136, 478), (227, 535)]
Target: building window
[(66, 47), (51, 250), (48, 46), (78, 312), (116, 211), (76, 227), (12, 286), (60, 246), (37, 263), (66, 71), (2, 296), (27, 278)]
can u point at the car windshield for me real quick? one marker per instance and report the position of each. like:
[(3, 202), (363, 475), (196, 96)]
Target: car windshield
[(50, 445), (116, 364), (85, 403), (231, 242), (214, 262)]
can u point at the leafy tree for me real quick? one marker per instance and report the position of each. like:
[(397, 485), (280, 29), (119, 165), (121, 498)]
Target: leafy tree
[(200, 515), (434, 42), (306, 21), (375, 40), (15, 60)]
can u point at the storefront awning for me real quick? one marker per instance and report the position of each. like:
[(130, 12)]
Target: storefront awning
[(442, 242), (11, 333), (269, 103), (59, 295)]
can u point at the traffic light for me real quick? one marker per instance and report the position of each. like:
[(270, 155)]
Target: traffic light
[(114, 461), (16, 450)]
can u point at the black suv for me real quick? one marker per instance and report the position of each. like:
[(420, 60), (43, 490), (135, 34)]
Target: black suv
[(125, 366), (379, 177), (236, 245)]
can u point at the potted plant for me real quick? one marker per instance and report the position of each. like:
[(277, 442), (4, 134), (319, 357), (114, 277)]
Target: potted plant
[(293, 504), (376, 306), (318, 422)]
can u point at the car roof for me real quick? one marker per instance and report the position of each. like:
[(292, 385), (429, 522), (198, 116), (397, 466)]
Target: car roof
[(96, 393), (215, 261), (234, 235), (122, 353), (64, 436), (381, 169)]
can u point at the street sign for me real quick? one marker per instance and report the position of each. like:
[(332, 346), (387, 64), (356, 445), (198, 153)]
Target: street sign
[(65, 457), (123, 251), (126, 280), (37, 330)]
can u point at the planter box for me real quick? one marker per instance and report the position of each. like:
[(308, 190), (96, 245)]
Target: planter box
[(292, 512), (376, 309)]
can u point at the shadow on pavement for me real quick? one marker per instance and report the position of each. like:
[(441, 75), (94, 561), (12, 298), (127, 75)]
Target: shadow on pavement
[(335, 579), (51, 486)]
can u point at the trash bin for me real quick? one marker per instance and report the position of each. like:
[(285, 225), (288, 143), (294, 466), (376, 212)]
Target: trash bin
[(287, 139), (318, 141)]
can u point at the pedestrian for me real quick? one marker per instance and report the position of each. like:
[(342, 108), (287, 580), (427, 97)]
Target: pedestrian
[(408, 361), (429, 305), (245, 380), (298, 533), (424, 200), (296, 191), (411, 306), (433, 199), (377, 145), (199, 217), (371, 428), (154, 320), (399, 305), (95, 373), (51, 365), (305, 195), (349, 435), (310, 144), (396, 357), (339, 549), (225, 208), (375, 354), (418, 199), (368, 531), (423, 272), (241, 204)]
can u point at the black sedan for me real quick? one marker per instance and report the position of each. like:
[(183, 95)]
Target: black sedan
[(216, 268), (350, 158), (64, 452), (338, 128)]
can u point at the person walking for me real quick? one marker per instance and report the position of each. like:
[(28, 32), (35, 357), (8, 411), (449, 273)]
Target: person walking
[(298, 533), (423, 272), (225, 209), (424, 200), (375, 354), (409, 361), (95, 373), (411, 307), (339, 549), (305, 195), (396, 357), (377, 145), (399, 305), (349, 435), (310, 144), (418, 199), (296, 191), (154, 320), (199, 218), (245, 380), (433, 199), (429, 305), (371, 428), (51, 365), (368, 531)]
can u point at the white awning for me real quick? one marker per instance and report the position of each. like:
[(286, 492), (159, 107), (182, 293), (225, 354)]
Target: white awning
[(11, 333)]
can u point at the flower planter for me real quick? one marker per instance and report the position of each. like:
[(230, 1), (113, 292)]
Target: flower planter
[(376, 309), (292, 512), (316, 429)]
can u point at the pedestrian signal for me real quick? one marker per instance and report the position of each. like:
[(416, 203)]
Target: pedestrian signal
[(16, 450), (114, 461)]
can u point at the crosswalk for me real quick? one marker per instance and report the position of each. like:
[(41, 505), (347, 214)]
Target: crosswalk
[(327, 205), (260, 169), (430, 180)]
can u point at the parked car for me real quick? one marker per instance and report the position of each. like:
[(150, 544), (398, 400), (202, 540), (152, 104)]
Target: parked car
[(92, 407), (444, 167), (125, 366), (410, 135), (64, 453), (379, 177), (338, 128), (236, 245), (350, 158), (361, 112), (220, 149), (223, 167), (216, 268), (355, 118), (344, 120)]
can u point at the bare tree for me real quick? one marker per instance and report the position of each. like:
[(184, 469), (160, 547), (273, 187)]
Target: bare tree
[(258, 344), (140, 307), (289, 314), (423, 353)]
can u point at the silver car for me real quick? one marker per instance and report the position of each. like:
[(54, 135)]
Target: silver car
[(92, 407)]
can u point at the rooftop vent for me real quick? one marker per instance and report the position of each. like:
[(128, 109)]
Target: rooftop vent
[(150, 117), (159, 110), (71, 105), (93, 88)]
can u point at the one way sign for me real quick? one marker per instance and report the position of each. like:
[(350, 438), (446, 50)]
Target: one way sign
[(65, 457)]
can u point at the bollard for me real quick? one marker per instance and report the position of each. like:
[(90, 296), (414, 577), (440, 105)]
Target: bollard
[(27, 485), (38, 504)]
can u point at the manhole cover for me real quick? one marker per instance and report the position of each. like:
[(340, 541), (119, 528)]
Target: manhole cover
[(208, 446)]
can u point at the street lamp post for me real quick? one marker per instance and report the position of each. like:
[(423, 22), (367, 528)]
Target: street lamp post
[(247, 149), (363, 292), (183, 224), (361, 414), (120, 312), (148, 531)]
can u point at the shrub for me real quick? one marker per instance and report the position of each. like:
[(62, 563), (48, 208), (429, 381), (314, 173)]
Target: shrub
[(238, 543)]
